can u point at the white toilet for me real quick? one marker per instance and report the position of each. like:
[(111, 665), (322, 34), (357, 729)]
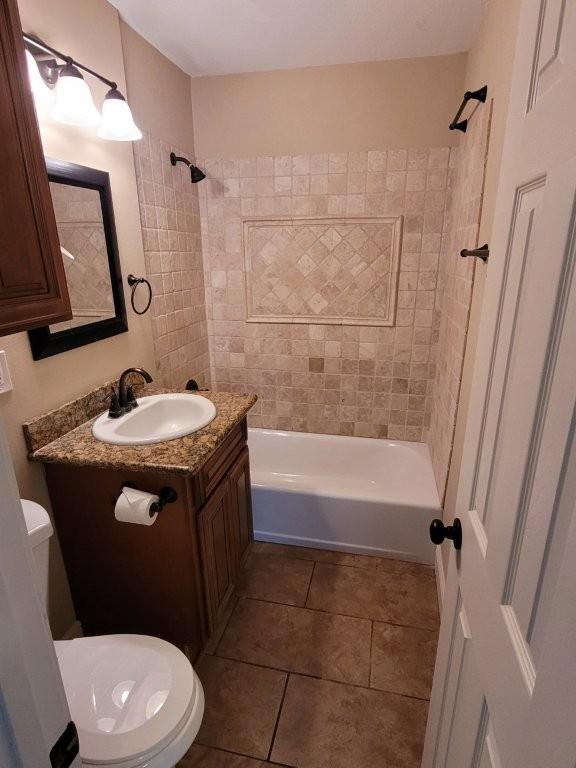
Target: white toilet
[(136, 700)]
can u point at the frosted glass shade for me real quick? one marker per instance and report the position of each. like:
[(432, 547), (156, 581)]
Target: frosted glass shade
[(117, 121), (43, 94), (74, 104)]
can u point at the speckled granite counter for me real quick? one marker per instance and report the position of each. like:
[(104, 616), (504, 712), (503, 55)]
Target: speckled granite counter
[(64, 436)]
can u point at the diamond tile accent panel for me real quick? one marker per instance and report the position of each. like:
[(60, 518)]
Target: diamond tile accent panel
[(334, 271)]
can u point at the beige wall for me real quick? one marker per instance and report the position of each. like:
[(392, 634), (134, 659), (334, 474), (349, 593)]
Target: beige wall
[(158, 90), (90, 31), (352, 107), (489, 61)]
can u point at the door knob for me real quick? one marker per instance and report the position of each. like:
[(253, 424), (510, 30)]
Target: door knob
[(439, 532)]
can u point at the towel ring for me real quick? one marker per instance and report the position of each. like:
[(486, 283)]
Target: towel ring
[(134, 282)]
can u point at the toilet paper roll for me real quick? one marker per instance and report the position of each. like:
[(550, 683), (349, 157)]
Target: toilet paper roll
[(134, 506)]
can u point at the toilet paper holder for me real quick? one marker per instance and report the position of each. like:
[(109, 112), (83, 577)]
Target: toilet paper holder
[(167, 495)]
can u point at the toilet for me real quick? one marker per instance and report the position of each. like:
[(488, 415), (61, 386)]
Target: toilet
[(135, 700)]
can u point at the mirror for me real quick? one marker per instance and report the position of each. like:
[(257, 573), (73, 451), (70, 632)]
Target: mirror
[(85, 219)]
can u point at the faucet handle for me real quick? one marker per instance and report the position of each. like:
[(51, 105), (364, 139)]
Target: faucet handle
[(131, 401), (115, 410)]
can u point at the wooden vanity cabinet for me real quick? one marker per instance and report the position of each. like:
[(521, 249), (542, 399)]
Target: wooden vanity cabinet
[(33, 290), (172, 579)]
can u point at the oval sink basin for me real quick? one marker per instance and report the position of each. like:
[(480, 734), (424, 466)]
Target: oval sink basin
[(157, 418)]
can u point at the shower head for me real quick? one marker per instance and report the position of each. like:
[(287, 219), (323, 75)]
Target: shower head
[(196, 174)]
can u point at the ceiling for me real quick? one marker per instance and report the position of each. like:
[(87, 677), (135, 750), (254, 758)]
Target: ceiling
[(217, 37)]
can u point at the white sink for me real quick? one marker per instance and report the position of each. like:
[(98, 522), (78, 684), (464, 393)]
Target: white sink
[(157, 418)]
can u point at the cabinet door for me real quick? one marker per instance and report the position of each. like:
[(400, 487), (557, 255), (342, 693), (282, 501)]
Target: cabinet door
[(33, 290), (215, 547), (241, 533)]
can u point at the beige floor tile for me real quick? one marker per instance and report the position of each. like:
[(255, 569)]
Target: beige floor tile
[(205, 757), (242, 703), (299, 640), (318, 555), (325, 724), (280, 579), (403, 659), (399, 598)]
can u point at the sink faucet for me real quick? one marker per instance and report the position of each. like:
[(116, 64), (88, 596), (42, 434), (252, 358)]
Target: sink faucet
[(125, 398)]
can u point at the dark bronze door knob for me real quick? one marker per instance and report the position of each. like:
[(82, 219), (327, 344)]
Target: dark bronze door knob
[(439, 532)]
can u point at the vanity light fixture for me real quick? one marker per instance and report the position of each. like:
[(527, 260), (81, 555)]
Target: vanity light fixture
[(74, 104), (117, 121), (43, 94), (64, 84)]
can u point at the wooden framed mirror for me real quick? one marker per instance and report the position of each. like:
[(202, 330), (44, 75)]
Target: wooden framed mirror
[(82, 203)]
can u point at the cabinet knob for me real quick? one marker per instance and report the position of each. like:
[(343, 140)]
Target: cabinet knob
[(439, 532)]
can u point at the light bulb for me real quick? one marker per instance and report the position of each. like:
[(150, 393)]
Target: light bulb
[(117, 121), (43, 94), (74, 104)]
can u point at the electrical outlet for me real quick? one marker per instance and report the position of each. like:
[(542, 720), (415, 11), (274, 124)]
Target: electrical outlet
[(5, 378)]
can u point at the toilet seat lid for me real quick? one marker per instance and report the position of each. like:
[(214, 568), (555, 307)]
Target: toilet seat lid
[(128, 694)]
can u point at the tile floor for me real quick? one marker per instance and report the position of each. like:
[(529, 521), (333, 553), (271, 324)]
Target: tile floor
[(325, 660)]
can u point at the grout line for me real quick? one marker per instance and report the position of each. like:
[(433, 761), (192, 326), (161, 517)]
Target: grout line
[(236, 754), (342, 615), (310, 583), (278, 716), (319, 677)]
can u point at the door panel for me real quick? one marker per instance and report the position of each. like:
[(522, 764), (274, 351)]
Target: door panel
[(240, 508), (516, 571), (527, 202), (552, 51), (216, 554)]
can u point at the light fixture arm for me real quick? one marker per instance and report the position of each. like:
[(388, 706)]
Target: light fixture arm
[(39, 44)]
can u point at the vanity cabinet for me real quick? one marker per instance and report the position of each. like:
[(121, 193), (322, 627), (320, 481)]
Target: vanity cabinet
[(33, 291), (172, 579)]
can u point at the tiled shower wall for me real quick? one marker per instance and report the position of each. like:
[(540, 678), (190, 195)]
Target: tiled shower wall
[(456, 274), (172, 246), (339, 379)]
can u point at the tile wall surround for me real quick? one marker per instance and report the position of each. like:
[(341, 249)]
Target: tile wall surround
[(455, 282), (337, 271), (348, 380), (170, 220)]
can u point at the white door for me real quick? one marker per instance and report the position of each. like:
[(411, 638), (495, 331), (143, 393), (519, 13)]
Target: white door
[(504, 693), (33, 707)]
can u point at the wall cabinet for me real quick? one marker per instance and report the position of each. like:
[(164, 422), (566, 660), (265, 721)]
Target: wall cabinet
[(172, 579), (33, 291)]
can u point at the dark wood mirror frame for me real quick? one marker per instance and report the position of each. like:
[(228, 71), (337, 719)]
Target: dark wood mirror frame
[(43, 341)]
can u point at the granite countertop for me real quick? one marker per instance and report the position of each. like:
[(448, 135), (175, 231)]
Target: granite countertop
[(64, 436)]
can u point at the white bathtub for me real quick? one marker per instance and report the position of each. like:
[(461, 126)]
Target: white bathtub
[(353, 494)]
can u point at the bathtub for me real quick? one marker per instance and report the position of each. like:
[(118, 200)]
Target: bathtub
[(352, 494)]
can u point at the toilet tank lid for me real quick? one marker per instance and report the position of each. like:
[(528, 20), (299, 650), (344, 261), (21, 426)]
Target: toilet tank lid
[(37, 522)]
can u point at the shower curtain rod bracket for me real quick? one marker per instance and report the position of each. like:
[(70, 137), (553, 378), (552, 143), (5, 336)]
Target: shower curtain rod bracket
[(479, 95)]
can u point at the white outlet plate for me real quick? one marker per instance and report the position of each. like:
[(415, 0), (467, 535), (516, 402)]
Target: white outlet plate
[(5, 378)]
